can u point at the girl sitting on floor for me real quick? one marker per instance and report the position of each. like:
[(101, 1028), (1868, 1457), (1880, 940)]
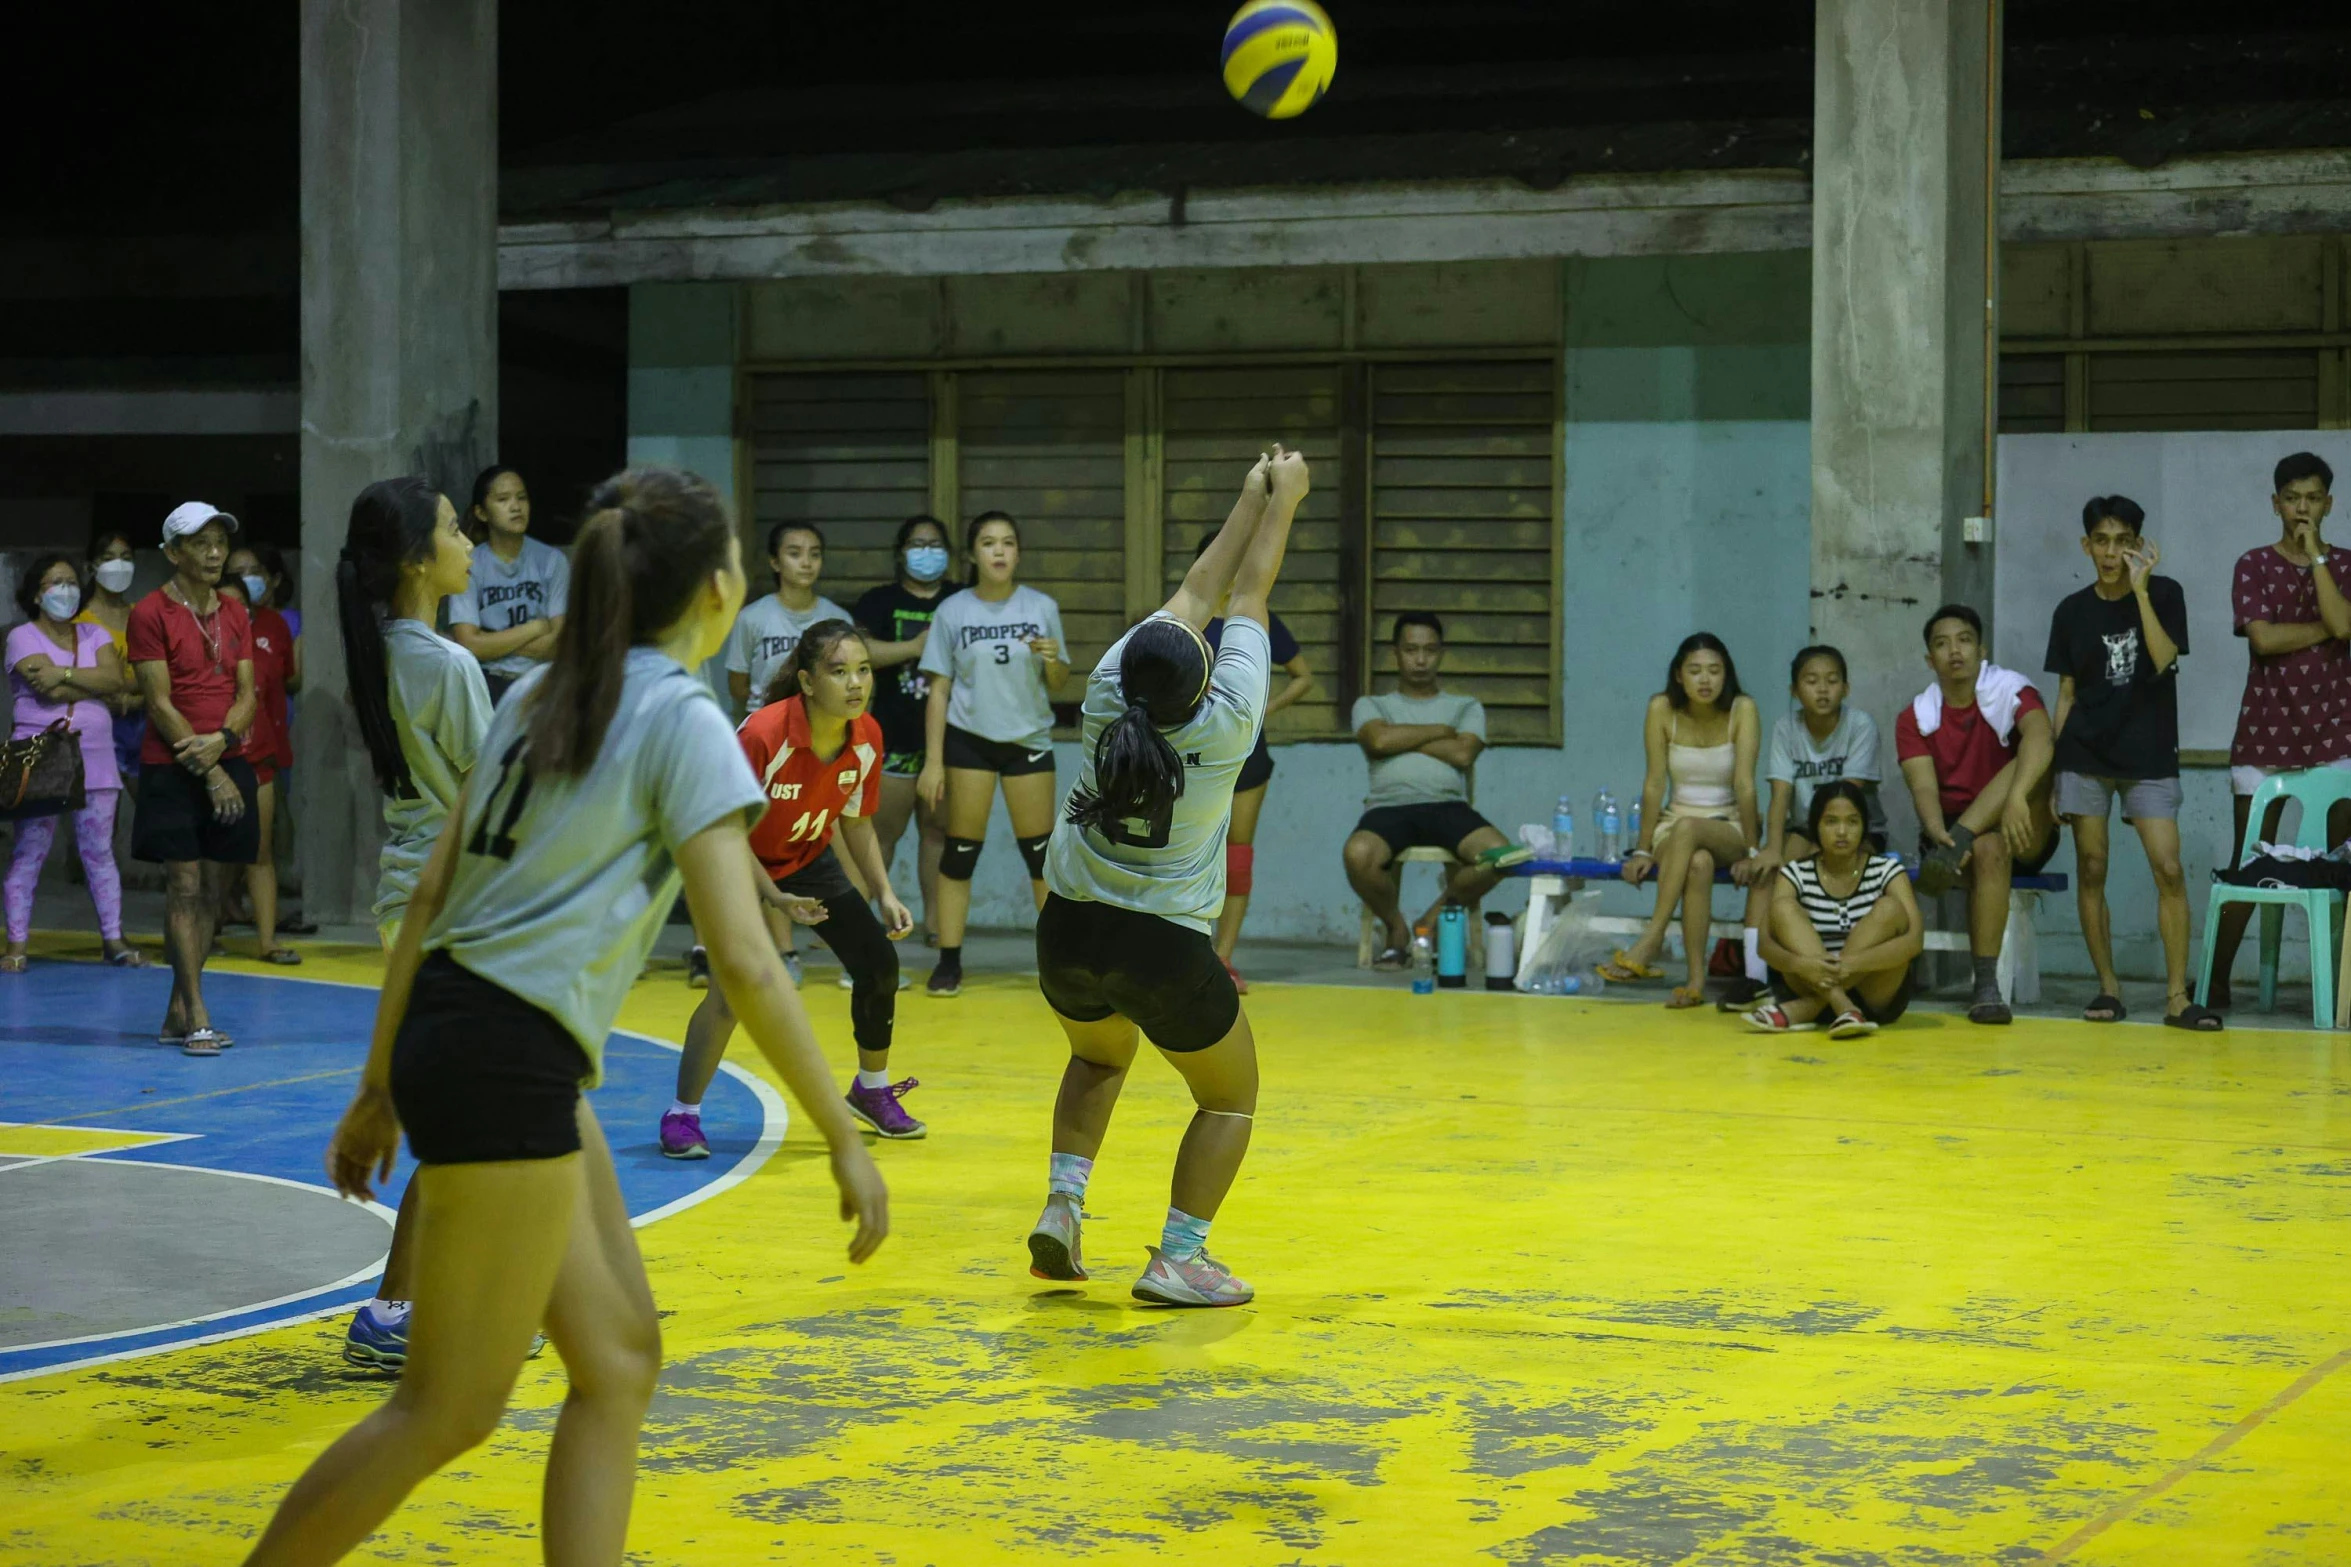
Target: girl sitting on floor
[(1844, 927)]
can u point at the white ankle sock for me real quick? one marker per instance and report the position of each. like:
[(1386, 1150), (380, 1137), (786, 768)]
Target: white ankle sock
[(680, 1107), (1757, 969), (867, 1079)]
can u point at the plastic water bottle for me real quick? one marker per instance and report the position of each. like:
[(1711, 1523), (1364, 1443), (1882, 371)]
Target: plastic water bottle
[(1611, 826), (1563, 828)]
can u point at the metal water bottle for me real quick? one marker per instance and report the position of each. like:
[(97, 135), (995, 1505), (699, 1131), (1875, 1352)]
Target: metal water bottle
[(1501, 953), (1453, 947)]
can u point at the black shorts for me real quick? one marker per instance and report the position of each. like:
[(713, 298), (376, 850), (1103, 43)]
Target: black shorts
[(1443, 825), (479, 1074), (821, 878), (1097, 959), (173, 822), (1005, 758), (1783, 992), (1257, 771)]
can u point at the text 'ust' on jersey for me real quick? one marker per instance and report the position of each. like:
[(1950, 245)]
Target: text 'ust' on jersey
[(807, 795), (1173, 868), (562, 883)]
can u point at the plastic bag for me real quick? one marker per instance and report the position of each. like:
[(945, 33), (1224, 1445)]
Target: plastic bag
[(1567, 960)]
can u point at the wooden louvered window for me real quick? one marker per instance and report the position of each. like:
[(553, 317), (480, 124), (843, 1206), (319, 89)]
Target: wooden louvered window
[(1213, 424), (1464, 522), (848, 452)]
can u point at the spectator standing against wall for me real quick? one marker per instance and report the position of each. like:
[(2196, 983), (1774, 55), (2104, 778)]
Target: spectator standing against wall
[(2115, 648), (61, 667), (192, 650), (2289, 606), (106, 604), (510, 614)]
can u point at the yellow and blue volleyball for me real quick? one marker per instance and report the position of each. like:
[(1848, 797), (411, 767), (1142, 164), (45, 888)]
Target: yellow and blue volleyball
[(1280, 56)]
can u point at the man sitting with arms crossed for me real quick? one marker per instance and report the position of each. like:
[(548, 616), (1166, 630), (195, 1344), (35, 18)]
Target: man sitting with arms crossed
[(1422, 743), (1975, 749)]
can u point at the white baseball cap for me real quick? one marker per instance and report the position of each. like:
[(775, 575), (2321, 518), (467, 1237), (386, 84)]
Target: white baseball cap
[(189, 517)]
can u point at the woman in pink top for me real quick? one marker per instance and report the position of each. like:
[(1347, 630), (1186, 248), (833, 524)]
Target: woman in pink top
[(58, 669)]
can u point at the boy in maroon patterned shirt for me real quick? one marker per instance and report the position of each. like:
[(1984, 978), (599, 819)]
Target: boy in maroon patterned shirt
[(2290, 608)]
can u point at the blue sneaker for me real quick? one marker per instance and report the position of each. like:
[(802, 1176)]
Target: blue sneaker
[(378, 1341)]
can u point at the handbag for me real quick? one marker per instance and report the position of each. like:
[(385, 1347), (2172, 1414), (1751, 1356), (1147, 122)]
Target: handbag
[(41, 775)]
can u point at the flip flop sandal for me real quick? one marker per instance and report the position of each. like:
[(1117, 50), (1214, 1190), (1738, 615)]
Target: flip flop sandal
[(11, 964), (2195, 1019), (1391, 960), (1851, 1025), (2110, 1005), (128, 957), (1775, 1020), (283, 957), (1684, 997), (1622, 970), (204, 1042)]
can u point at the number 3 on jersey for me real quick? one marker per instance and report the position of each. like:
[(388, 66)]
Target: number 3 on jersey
[(500, 845)]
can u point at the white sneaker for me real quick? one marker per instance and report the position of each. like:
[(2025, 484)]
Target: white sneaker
[(1198, 1280), (905, 981), (792, 967), (1053, 1244)]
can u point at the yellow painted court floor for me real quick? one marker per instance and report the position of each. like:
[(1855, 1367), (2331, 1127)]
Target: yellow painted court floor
[(1539, 1281)]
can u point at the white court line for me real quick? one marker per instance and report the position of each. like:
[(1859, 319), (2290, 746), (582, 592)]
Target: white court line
[(775, 1120), (146, 1140)]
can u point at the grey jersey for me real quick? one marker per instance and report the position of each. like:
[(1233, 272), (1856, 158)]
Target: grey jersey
[(563, 883), (764, 636), (1174, 868), (999, 691), (441, 706), (1413, 777), (501, 597)]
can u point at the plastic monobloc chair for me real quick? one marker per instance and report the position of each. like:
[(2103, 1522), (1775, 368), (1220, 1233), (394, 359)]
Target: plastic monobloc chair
[(2315, 790)]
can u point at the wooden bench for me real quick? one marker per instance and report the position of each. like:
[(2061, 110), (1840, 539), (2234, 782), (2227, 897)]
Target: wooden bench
[(1549, 882)]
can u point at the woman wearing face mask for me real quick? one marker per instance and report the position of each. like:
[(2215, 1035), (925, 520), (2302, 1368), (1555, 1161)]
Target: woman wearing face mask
[(277, 670), (59, 668), (897, 617), (109, 606)]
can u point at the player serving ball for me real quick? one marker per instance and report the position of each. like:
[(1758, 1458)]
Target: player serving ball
[(1135, 878), (817, 753)]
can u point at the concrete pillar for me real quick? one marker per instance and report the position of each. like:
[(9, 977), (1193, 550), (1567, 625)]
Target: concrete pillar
[(399, 338), (1899, 284)]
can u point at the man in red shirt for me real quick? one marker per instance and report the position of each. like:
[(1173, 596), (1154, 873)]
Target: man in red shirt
[(1975, 748), (192, 650), (2289, 604)]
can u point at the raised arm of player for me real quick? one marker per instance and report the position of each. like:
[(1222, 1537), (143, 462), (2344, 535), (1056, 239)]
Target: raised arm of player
[(1204, 585), (1261, 564)]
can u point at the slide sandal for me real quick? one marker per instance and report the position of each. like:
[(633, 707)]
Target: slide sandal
[(128, 957), (1851, 1025), (1938, 870), (1685, 996), (2196, 1019), (204, 1042), (283, 957), (1621, 969), (1391, 960), (1775, 1020), (2111, 1006)]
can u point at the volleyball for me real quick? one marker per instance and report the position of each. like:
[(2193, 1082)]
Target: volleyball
[(1279, 56)]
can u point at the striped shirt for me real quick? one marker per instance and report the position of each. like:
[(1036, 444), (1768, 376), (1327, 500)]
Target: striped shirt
[(1834, 917)]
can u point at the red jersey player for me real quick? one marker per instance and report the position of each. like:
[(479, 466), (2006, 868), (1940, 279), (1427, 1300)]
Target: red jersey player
[(818, 753)]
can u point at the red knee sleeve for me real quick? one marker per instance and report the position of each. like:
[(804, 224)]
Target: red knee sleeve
[(1240, 859)]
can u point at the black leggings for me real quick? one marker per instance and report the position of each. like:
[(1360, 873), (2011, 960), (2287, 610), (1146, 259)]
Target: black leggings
[(856, 937)]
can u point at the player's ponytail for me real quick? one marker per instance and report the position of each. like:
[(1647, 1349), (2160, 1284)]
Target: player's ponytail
[(1162, 675), (392, 525), (652, 538)]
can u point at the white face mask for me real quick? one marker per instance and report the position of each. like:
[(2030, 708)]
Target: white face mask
[(256, 589), (59, 602), (115, 575)]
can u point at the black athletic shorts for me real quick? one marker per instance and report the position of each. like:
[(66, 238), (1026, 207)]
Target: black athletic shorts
[(1783, 993), (1006, 758), (1096, 959), (1256, 771), (173, 820), (479, 1074), (1442, 825), (821, 878)]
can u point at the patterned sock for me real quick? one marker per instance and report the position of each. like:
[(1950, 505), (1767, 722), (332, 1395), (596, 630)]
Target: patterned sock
[(1757, 970), (680, 1107), (1070, 1174), (1183, 1237)]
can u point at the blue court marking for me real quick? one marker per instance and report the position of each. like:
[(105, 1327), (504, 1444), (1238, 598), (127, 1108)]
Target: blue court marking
[(77, 1048)]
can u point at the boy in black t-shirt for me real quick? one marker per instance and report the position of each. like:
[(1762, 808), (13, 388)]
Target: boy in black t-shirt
[(2115, 647)]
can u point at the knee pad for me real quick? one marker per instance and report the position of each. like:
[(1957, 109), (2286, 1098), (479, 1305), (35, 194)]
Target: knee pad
[(1240, 863), (959, 858), (1032, 850)]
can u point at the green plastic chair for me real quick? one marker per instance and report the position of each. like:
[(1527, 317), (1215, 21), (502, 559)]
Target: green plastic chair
[(2316, 789)]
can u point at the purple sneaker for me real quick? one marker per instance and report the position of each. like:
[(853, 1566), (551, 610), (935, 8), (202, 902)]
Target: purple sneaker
[(879, 1108), (681, 1136)]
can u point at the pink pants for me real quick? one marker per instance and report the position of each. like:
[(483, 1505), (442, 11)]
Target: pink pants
[(93, 832)]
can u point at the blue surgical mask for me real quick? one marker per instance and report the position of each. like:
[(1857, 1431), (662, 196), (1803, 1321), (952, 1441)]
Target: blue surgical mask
[(926, 562), (59, 602), (256, 589)]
